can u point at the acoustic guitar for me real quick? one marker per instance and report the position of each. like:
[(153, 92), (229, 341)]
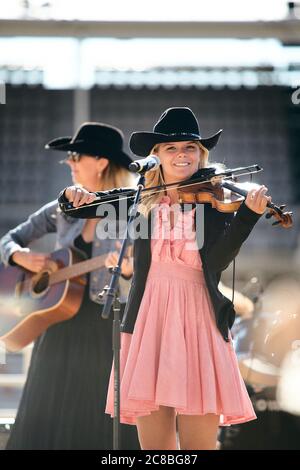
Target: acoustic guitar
[(31, 302)]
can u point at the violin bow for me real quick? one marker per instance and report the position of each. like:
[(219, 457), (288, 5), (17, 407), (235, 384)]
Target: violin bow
[(208, 177)]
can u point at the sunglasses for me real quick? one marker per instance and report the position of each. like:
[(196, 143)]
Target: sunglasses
[(72, 157), (75, 157)]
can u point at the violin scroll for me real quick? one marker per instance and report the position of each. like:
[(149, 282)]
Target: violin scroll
[(283, 218)]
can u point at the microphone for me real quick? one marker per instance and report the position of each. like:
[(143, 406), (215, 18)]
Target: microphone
[(149, 163)]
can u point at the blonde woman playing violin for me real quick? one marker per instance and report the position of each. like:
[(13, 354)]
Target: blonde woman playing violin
[(177, 359)]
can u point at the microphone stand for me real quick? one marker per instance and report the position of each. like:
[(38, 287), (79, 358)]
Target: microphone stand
[(112, 298)]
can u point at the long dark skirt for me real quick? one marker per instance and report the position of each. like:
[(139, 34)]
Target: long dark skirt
[(63, 402)]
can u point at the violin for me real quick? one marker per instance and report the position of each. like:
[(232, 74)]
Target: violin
[(214, 192), (206, 186)]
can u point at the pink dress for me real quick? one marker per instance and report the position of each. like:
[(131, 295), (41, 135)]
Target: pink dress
[(176, 356)]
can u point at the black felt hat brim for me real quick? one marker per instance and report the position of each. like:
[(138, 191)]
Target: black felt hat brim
[(141, 143), (65, 144)]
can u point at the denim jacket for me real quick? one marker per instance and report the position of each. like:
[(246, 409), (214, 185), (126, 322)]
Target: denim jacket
[(50, 219)]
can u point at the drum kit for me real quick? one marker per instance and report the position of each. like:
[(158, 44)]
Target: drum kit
[(267, 346), (263, 341)]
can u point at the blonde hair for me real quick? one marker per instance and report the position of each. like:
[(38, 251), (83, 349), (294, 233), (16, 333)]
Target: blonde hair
[(115, 176), (155, 178)]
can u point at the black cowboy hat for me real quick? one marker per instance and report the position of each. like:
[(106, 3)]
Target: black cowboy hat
[(95, 139), (174, 125)]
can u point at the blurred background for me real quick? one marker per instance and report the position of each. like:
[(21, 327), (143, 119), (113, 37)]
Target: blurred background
[(237, 65)]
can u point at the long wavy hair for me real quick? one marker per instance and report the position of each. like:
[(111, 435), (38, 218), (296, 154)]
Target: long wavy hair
[(155, 178)]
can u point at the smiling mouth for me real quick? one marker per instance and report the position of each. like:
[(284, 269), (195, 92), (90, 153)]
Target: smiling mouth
[(181, 164)]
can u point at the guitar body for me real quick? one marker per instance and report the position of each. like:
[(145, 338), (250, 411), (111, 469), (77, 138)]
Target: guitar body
[(29, 304)]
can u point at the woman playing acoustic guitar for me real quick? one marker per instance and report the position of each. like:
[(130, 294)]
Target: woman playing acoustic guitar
[(63, 402)]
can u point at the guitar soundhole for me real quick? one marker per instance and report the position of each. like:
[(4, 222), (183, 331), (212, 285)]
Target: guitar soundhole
[(41, 284)]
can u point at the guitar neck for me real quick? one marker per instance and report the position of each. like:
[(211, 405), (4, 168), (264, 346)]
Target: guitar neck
[(78, 269)]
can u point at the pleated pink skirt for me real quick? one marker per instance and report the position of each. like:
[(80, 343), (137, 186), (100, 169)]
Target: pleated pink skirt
[(176, 356)]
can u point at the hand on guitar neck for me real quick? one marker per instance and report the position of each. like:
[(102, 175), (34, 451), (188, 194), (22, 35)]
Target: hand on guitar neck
[(127, 265)]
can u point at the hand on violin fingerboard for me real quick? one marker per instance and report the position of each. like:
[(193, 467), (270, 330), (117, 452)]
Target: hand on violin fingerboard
[(257, 200)]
